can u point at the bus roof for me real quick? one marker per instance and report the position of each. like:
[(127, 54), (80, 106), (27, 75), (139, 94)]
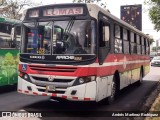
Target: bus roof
[(94, 11), (8, 20)]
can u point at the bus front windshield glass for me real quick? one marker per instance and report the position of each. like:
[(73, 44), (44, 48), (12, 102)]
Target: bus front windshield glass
[(59, 37)]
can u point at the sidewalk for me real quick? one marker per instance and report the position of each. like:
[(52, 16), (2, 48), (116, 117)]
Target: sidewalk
[(155, 107)]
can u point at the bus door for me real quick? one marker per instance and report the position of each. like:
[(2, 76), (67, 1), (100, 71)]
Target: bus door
[(104, 48)]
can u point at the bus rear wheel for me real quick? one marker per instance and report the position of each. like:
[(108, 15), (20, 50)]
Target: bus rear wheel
[(140, 81)]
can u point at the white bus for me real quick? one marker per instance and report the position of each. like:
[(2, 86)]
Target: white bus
[(79, 52)]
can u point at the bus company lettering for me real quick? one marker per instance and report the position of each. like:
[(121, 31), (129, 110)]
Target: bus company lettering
[(38, 57), (69, 58), (65, 57), (34, 13), (63, 11)]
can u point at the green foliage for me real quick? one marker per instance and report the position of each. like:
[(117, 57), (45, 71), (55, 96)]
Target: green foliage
[(151, 41), (99, 2), (154, 12), (154, 49)]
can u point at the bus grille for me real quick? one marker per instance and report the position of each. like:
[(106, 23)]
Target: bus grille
[(60, 84), (57, 91), (52, 69), (55, 80)]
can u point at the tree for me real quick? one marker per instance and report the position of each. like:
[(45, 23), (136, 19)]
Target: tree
[(154, 12), (151, 41), (13, 8), (99, 2), (154, 49)]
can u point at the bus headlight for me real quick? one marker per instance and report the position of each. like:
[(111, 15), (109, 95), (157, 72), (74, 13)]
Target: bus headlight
[(26, 76), (82, 80)]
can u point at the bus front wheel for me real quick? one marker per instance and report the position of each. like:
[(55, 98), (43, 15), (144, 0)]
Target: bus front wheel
[(114, 91)]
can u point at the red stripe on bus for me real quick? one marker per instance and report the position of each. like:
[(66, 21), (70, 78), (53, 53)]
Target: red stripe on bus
[(87, 99), (44, 94), (26, 91), (121, 65), (54, 94), (63, 96), (75, 98), (35, 93), (19, 90)]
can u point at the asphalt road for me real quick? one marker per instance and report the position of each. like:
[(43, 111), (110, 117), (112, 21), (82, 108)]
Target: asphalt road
[(130, 99)]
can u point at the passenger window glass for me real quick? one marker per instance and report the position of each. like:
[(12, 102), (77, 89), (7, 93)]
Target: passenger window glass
[(132, 37), (104, 34), (125, 34), (137, 39), (117, 31), (5, 35), (118, 46)]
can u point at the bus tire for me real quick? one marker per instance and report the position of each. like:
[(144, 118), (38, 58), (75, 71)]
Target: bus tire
[(114, 91), (140, 81)]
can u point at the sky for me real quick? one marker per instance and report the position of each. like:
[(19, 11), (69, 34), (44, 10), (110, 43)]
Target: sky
[(114, 7)]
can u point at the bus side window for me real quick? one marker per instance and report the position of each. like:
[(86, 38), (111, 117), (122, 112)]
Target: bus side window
[(118, 39), (133, 48), (104, 40), (147, 47), (15, 36), (5, 32), (104, 34)]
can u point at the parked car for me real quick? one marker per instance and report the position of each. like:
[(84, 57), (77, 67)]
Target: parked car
[(151, 57), (155, 61)]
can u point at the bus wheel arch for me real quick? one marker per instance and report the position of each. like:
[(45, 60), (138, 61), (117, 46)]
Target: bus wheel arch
[(141, 75), (115, 87)]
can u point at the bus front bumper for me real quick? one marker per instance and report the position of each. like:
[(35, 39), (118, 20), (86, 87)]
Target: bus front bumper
[(83, 92)]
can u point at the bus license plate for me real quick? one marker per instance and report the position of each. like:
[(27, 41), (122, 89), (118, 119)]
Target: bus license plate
[(50, 88)]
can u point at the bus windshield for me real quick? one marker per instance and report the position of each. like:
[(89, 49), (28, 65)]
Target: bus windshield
[(59, 37)]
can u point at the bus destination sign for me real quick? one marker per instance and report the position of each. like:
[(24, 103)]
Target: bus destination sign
[(34, 13), (63, 11)]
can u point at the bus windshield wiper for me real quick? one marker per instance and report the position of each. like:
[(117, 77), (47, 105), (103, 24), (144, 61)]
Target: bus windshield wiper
[(69, 25)]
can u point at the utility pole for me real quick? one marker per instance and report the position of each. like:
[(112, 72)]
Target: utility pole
[(157, 45)]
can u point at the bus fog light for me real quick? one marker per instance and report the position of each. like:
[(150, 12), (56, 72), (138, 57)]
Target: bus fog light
[(81, 80), (73, 92), (29, 88)]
